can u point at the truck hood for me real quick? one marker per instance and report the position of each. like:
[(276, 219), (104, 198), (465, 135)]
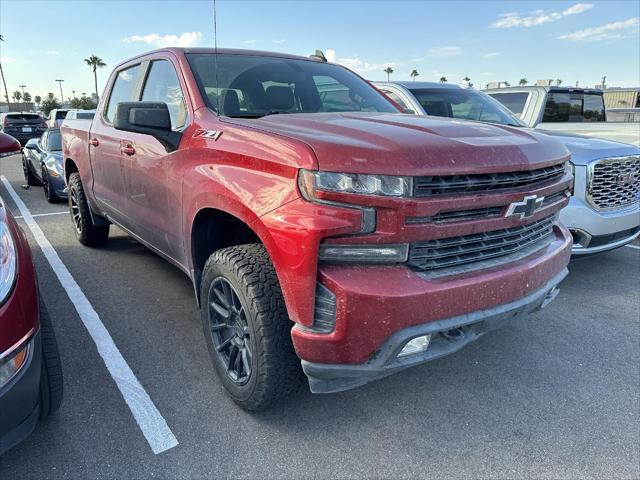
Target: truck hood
[(585, 149), (398, 144)]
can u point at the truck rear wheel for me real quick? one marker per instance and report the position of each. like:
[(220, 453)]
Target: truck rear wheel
[(86, 232), (247, 327)]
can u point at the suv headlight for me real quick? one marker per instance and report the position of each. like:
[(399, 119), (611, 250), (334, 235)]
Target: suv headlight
[(8, 261), (384, 185)]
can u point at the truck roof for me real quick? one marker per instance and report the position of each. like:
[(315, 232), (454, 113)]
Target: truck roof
[(528, 88), (410, 84)]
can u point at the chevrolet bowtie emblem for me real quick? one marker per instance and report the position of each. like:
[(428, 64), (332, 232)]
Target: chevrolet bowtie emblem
[(526, 208)]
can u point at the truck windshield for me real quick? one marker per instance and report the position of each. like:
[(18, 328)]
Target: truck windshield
[(252, 86), (574, 107), (465, 104)]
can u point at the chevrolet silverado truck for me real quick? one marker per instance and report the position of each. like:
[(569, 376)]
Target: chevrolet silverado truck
[(604, 210), (572, 110), (321, 228)]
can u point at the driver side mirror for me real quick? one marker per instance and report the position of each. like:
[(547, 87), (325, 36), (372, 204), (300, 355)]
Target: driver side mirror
[(148, 118), (32, 145)]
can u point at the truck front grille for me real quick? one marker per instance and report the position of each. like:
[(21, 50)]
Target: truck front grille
[(447, 255), (453, 184), (614, 182)]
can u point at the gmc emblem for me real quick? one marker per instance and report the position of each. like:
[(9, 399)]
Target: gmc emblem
[(625, 179), (526, 208)]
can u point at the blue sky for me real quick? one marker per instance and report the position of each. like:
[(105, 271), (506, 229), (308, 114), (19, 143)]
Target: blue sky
[(499, 40)]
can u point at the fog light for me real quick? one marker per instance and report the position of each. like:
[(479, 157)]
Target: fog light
[(415, 345), (11, 365)]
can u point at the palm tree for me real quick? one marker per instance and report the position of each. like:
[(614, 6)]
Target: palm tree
[(16, 96), (558, 82), (388, 71), (467, 80), (95, 63), (523, 82), (443, 80), (37, 99), (414, 73)]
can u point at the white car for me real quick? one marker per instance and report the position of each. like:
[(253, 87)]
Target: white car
[(56, 116)]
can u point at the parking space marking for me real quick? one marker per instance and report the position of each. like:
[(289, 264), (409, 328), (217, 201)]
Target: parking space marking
[(633, 246), (34, 215), (149, 419)]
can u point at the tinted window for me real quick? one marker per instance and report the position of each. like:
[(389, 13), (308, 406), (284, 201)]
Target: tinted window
[(61, 114), (513, 101), (252, 86), (54, 141), (162, 85), (461, 103), (85, 115), (122, 90), (573, 107), (21, 117)]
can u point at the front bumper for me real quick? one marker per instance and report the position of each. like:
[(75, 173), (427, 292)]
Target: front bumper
[(20, 399), (447, 336), (598, 231)]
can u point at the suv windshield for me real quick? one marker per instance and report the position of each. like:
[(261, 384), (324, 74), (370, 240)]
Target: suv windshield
[(574, 107), (253, 86), (465, 104)]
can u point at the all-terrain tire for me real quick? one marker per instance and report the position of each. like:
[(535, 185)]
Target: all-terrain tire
[(276, 371), (86, 232), (51, 382)]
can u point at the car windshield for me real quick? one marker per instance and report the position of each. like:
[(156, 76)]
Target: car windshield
[(465, 104), (54, 141), (252, 86), (574, 107)]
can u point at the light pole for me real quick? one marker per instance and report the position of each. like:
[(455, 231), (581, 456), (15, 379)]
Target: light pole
[(23, 101), (61, 95)]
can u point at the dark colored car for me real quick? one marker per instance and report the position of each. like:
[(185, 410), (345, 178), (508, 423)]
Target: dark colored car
[(311, 215), (30, 369), (42, 164), (22, 126)]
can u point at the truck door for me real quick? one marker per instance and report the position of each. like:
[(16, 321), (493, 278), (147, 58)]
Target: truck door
[(152, 177), (106, 149)]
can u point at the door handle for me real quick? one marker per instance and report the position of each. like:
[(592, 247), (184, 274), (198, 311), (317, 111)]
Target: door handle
[(94, 142), (127, 149)]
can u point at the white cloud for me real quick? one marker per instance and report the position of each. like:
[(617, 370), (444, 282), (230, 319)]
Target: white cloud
[(538, 17), (11, 60), (187, 39), (445, 51), (355, 63), (604, 32), (492, 55), (53, 52)]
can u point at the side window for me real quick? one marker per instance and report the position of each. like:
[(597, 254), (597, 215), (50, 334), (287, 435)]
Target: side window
[(162, 85), (122, 90), (396, 98), (513, 101)]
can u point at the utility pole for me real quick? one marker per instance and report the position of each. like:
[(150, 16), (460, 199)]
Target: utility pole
[(6, 91), (604, 79), (61, 95), (23, 101), (576, 83)]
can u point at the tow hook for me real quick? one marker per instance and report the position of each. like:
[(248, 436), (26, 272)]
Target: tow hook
[(549, 297)]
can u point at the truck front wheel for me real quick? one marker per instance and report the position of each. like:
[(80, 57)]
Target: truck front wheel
[(247, 327), (86, 232)]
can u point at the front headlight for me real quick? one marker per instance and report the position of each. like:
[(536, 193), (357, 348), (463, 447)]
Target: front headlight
[(8, 261), (384, 185), (570, 168)]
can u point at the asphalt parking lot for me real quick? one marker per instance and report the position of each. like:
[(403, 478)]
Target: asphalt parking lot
[(557, 396)]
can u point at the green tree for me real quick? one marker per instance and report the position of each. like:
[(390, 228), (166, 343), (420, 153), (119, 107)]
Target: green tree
[(17, 96), (49, 103), (414, 73), (26, 97), (443, 80), (388, 71), (95, 63), (37, 99), (523, 82), (83, 103)]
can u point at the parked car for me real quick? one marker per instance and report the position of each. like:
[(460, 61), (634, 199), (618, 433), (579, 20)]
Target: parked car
[(42, 164), (332, 224), (22, 126), (572, 110), (56, 117), (30, 370), (604, 211), (80, 115)]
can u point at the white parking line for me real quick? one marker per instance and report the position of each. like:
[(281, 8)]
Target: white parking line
[(633, 246), (151, 422), (34, 215)]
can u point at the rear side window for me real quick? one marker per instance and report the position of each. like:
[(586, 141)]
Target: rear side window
[(574, 107), (84, 115), (122, 90), (162, 85), (61, 114), (513, 101)]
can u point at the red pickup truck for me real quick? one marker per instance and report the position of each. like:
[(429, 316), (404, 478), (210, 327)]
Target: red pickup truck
[(314, 220)]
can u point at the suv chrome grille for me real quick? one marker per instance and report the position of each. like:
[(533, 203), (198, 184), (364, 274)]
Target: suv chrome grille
[(470, 250), (614, 182), (451, 184)]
